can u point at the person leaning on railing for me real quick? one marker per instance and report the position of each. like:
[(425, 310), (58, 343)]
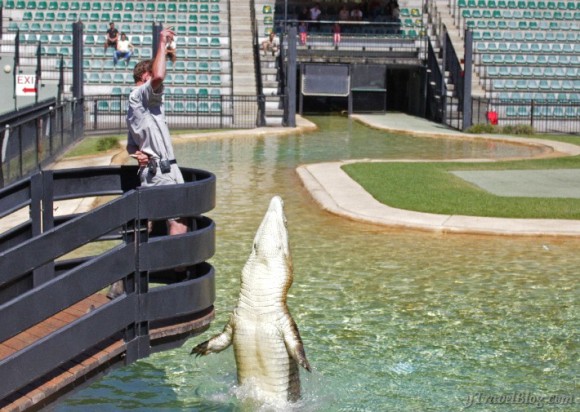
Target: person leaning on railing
[(149, 140)]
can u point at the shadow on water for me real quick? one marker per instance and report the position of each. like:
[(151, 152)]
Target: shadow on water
[(391, 320)]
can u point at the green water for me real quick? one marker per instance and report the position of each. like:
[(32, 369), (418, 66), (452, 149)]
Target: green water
[(391, 320)]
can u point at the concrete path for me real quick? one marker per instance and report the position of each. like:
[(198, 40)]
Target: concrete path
[(337, 193)]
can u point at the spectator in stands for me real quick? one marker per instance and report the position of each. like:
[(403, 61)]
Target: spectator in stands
[(316, 15), (303, 33), (271, 44), (124, 50), (304, 14), (336, 34), (343, 14), (393, 9), (112, 37), (170, 51), (356, 13)]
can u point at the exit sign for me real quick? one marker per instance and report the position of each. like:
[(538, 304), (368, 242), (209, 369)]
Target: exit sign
[(25, 85)]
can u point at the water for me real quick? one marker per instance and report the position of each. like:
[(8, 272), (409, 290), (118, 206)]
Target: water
[(391, 320)]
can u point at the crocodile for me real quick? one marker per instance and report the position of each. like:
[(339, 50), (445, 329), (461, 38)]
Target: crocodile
[(267, 344)]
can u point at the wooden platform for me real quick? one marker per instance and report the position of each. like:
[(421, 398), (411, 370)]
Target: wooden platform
[(81, 370)]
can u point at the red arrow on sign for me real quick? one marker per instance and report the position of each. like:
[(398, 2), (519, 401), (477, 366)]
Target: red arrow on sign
[(29, 90)]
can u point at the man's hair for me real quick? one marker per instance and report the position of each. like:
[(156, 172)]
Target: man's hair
[(141, 68)]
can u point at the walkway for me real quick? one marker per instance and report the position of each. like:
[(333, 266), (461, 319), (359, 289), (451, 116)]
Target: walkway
[(337, 193)]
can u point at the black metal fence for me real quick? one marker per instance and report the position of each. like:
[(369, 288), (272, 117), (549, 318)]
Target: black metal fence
[(544, 117), (34, 136), (38, 279), (106, 112)]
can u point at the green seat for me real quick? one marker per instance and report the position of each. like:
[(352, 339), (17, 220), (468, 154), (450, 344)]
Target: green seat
[(107, 6), (150, 7), (118, 6), (86, 5), (75, 5), (27, 16), (191, 107), (215, 107), (178, 107), (179, 66), (39, 16), (118, 78), (193, 8), (215, 80), (203, 42), (92, 28), (116, 106), (203, 107), (103, 106), (203, 93), (20, 5)]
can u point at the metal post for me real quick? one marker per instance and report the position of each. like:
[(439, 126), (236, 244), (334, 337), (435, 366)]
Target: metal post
[(291, 75), (77, 55), (467, 74)]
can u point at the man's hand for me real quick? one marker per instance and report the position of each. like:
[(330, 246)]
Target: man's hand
[(166, 36), (141, 157)]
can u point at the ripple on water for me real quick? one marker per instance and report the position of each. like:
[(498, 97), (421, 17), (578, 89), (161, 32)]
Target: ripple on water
[(391, 320)]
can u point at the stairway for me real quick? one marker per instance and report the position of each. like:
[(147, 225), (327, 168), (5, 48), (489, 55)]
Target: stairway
[(271, 90), (243, 69)]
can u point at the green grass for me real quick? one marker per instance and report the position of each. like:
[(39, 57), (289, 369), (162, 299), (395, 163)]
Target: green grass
[(429, 187), (96, 145)]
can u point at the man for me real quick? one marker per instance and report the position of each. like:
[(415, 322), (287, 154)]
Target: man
[(271, 44), (112, 37), (149, 140), (124, 50)]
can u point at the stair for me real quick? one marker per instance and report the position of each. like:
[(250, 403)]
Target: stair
[(243, 69), (271, 90), (442, 13)]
